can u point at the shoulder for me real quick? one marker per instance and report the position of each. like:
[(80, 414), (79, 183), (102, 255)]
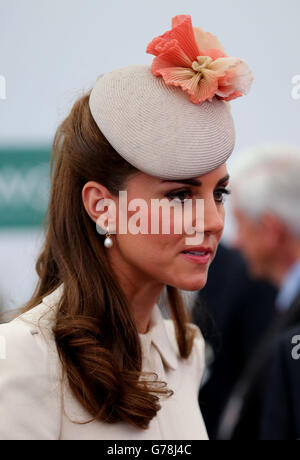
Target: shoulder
[(33, 328), (29, 367), (29, 334)]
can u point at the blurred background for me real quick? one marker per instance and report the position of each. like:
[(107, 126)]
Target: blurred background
[(52, 50)]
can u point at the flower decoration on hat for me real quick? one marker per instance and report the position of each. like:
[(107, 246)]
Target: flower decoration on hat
[(195, 60)]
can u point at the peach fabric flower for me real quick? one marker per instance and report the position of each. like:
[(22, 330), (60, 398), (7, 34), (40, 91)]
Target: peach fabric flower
[(195, 60)]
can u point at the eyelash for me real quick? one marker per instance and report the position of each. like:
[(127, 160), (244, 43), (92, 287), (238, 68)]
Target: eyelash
[(223, 191)]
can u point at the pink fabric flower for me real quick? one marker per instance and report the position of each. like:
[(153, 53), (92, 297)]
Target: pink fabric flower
[(195, 60)]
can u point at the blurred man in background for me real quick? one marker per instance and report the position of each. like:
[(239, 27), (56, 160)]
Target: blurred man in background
[(233, 312), (266, 198), (281, 406)]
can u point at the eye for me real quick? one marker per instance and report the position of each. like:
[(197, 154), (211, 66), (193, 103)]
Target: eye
[(219, 195), (180, 194)]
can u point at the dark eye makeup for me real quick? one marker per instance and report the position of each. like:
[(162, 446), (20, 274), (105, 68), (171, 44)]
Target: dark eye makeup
[(219, 194)]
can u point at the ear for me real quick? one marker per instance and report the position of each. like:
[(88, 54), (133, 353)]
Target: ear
[(273, 230), (92, 194)]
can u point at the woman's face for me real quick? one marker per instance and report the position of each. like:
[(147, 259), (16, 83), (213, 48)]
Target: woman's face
[(159, 257)]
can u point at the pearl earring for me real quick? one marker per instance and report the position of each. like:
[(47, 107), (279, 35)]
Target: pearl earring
[(108, 242)]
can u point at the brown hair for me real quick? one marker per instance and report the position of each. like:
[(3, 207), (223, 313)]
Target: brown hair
[(96, 338)]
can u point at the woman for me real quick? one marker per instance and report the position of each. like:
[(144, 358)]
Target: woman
[(91, 356)]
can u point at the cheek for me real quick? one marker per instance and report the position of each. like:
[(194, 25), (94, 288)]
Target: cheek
[(167, 232), (222, 216), (142, 253), (158, 246), (166, 220)]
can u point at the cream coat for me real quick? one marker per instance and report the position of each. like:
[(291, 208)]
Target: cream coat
[(30, 384)]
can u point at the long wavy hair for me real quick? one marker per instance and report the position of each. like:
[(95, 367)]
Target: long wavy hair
[(95, 335)]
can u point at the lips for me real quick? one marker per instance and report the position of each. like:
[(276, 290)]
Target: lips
[(200, 258), (198, 250)]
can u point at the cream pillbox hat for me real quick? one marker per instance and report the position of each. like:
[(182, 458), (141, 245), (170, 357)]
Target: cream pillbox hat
[(157, 129), (171, 122)]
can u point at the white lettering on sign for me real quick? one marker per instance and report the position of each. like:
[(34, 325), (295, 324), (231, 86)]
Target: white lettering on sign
[(25, 188), (2, 87)]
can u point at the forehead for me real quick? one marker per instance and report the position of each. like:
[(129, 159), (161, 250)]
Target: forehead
[(213, 176)]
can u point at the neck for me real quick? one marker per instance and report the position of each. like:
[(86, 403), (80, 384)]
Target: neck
[(142, 302), (141, 292)]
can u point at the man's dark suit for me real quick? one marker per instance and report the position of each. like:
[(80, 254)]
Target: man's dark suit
[(250, 392), (281, 407), (233, 312)]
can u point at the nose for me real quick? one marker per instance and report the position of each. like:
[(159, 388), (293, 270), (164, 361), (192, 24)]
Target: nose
[(213, 217)]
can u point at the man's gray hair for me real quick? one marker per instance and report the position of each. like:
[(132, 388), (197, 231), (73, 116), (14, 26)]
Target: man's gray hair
[(266, 178)]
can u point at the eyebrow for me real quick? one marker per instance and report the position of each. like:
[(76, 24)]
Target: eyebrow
[(195, 182)]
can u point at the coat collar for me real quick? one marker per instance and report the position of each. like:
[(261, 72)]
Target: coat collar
[(52, 299), (161, 332)]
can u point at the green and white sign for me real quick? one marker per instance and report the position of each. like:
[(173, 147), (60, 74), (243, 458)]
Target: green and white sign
[(24, 186)]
